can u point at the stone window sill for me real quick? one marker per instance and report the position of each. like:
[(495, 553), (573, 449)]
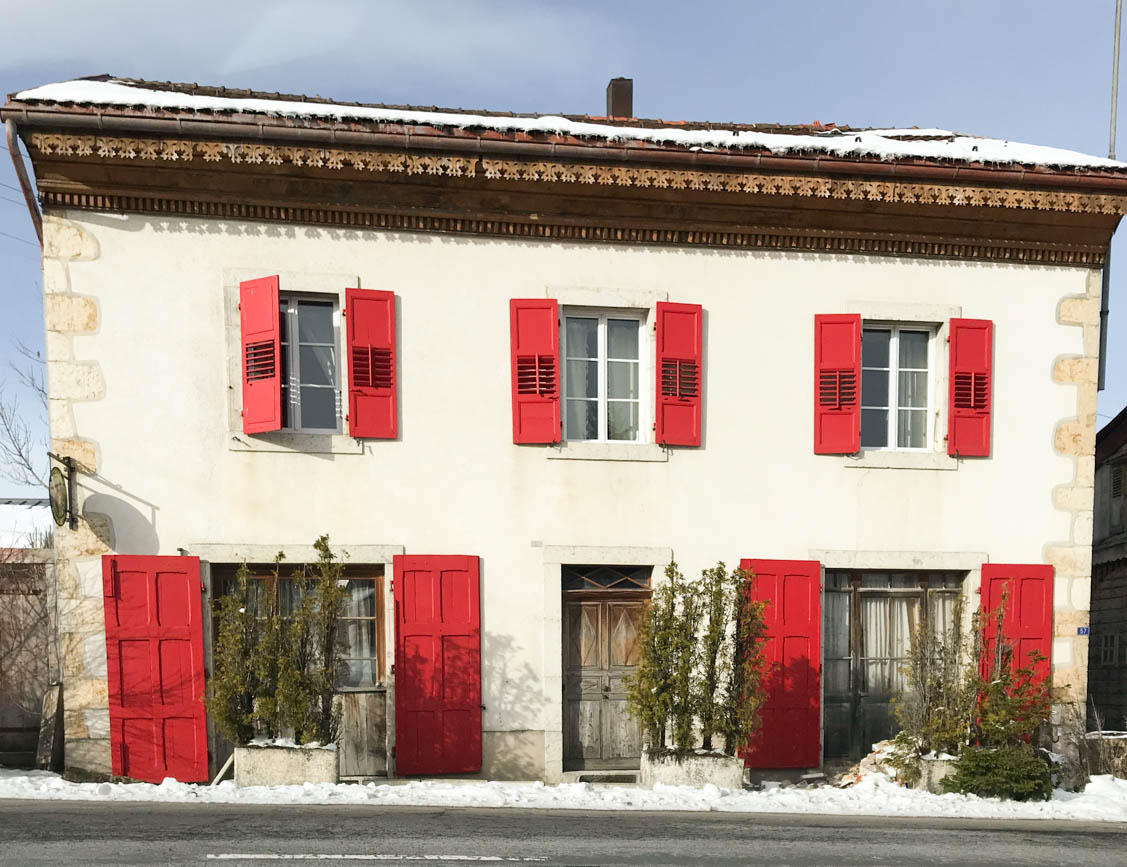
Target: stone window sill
[(894, 460), (282, 441), (582, 451)]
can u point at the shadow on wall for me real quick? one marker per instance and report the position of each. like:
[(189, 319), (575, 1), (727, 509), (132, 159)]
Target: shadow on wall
[(119, 525), (515, 697)]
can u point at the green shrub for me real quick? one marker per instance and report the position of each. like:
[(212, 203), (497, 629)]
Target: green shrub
[(701, 660), (1013, 772)]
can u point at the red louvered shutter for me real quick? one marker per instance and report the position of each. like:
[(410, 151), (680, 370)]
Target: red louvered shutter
[(1027, 622), (790, 735), (679, 360), (969, 386), (262, 378), (837, 381), (372, 410), (534, 330)]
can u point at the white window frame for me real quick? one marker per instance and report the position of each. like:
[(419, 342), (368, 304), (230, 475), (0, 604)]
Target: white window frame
[(894, 384), (645, 409), (293, 361)]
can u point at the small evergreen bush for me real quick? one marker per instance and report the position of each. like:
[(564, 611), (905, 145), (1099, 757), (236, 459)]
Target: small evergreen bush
[(276, 671), (701, 661), (1016, 772)]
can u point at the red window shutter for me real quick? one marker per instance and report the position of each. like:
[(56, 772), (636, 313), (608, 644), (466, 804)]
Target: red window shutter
[(372, 409), (679, 361), (837, 384), (970, 390), (262, 377), (790, 735), (534, 329), (1027, 622)]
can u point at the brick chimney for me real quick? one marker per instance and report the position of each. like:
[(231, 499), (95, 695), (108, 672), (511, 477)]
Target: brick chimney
[(620, 97)]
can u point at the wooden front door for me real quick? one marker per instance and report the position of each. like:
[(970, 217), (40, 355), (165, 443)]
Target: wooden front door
[(600, 650)]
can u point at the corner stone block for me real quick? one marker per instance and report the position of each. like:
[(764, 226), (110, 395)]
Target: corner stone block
[(65, 240), (56, 276), (71, 655), (1073, 498), (94, 655), (75, 380), (1075, 439), (1078, 311), (1081, 593), (60, 419), (91, 756), (74, 725), (97, 722), (82, 693), (81, 450), (70, 313), (89, 576), (1075, 370), (1070, 560)]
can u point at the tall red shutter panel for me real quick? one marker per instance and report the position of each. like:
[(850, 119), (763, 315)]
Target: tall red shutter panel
[(154, 667), (970, 389), (437, 665), (679, 361), (372, 409), (837, 384), (1027, 622), (534, 330), (790, 735), (262, 370)]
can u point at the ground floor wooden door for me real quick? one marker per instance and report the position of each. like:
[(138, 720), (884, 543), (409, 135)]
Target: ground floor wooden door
[(154, 665), (600, 650)]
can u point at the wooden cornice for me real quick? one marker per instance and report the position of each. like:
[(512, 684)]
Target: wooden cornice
[(573, 200)]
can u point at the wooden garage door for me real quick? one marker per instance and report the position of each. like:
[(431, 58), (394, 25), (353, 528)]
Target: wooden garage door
[(154, 660), (437, 665)]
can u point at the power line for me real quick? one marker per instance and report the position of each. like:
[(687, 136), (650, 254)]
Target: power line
[(13, 201), (21, 240)]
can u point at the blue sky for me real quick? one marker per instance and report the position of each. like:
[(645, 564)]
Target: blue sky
[(1026, 70)]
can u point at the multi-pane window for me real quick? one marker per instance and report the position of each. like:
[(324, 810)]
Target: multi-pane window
[(1108, 648), (310, 365), (359, 630), (602, 377), (868, 620), (894, 387)]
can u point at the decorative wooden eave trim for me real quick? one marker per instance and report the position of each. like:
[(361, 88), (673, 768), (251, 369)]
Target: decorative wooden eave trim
[(762, 184)]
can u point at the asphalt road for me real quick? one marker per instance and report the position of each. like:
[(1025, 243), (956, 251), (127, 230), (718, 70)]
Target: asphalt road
[(59, 832)]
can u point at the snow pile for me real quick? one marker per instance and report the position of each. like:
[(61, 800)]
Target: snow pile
[(1104, 799), (290, 743), (885, 144)]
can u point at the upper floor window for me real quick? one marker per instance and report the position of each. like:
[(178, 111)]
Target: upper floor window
[(309, 339), (602, 377), (895, 377)]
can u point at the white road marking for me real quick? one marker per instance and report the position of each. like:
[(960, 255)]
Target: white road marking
[(231, 856)]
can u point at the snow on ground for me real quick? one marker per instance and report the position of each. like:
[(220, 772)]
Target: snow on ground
[(1104, 799), (885, 144)]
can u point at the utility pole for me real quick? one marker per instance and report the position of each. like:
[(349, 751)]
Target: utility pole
[(1105, 290)]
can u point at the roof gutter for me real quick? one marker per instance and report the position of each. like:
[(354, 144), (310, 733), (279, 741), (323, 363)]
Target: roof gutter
[(25, 182), (412, 137)]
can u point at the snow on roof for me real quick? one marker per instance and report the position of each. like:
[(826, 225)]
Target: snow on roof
[(884, 144)]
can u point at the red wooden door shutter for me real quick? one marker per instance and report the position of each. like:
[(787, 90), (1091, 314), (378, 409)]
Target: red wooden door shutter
[(679, 361), (154, 667), (1027, 622), (370, 317), (790, 735), (970, 396), (837, 384), (534, 330), (437, 665), (262, 376)]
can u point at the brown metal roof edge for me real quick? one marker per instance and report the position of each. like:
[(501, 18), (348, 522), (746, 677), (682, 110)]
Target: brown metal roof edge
[(550, 146)]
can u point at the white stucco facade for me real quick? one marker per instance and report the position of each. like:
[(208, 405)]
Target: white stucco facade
[(144, 379)]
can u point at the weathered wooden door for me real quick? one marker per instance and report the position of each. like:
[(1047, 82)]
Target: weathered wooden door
[(437, 665), (154, 666), (790, 735), (600, 650)]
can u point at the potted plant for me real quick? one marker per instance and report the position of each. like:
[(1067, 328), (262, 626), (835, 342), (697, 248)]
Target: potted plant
[(699, 680), (277, 663)]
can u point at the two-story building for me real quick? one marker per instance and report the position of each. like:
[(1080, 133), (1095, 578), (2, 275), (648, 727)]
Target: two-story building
[(514, 365)]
